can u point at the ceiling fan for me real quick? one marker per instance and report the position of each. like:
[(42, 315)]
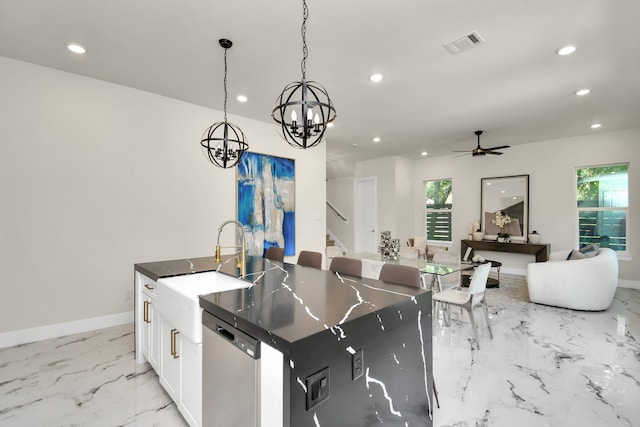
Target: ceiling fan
[(479, 151)]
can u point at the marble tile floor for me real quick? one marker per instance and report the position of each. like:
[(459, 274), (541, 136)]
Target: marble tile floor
[(545, 366)]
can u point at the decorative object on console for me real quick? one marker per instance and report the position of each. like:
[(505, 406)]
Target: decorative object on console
[(478, 235), (501, 221), (534, 237), (510, 196), (266, 202), (224, 143), (306, 100), (389, 247)]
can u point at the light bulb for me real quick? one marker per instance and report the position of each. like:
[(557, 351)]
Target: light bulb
[(309, 114), (294, 116), (316, 119)]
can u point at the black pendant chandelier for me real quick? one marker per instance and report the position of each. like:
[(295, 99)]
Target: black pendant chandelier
[(303, 110), (224, 143)]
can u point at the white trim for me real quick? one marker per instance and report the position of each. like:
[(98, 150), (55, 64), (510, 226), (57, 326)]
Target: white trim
[(10, 339), (630, 284)]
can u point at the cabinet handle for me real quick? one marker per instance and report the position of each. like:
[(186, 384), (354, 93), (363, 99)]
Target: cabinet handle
[(146, 311), (174, 353), (146, 285)]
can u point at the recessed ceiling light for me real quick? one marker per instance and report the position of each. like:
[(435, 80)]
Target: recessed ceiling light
[(376, 139), (595, 125), (354, 145), (583, 92), (424, 153), (567, 50), (242, 98), (376, 77), (330, 124), (76, 48)]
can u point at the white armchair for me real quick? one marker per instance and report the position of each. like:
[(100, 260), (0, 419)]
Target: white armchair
[(581, 284)]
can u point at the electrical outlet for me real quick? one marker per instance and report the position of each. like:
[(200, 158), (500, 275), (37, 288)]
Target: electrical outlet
[(318, 388), (357, 364)]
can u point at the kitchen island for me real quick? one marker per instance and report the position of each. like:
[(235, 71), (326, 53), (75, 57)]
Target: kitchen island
[(334, 351)]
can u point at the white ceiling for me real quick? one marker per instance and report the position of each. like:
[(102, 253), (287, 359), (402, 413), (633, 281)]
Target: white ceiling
[(513, 86)]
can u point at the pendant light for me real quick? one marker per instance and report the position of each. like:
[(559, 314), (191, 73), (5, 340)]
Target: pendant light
[(303, 110), (224, 143)]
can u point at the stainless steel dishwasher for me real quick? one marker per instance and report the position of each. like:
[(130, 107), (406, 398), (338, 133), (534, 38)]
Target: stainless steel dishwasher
[(230, 375)]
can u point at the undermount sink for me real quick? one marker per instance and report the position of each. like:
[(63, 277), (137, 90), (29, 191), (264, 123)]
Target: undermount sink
[(178, 299)]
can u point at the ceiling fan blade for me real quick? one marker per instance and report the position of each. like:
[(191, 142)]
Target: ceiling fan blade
[(460, 155), (492, 152), (498, 148), (461, 151)]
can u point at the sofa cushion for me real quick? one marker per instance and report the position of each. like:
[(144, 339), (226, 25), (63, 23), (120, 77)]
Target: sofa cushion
[(575, 254), (587, 251), (590, 250)]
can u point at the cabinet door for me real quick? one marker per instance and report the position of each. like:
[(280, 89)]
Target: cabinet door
[(170, 353), (191, 382), (155, 337), (145, 326)]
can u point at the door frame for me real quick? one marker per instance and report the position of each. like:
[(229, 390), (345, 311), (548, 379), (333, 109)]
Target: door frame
[(357, 188)]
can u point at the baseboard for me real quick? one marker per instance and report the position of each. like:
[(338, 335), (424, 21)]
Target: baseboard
[(9, 339), (631, 284)]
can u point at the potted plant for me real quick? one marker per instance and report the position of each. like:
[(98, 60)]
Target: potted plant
[(501, 221)]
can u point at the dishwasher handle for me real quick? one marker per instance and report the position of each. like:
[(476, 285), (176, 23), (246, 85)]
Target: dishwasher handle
[(245, 343)]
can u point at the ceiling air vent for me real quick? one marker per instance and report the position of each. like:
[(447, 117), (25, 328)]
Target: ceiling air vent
[(464, 43)]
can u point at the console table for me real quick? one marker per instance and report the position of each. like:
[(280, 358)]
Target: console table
[(540, 250)]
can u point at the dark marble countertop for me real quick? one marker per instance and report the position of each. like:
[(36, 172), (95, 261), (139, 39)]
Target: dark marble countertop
[(178, 267), (288, 303)]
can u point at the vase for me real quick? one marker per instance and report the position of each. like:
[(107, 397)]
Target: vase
[(478, 235), (534, 238)]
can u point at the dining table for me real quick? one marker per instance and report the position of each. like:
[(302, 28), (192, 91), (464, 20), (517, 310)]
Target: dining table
[(372, 265)]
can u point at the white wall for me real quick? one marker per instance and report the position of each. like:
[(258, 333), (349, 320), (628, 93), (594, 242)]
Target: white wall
[(551, 169), (395, 193), (96, 177)]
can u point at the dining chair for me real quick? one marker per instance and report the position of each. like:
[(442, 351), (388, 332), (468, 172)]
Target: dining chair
[(400, 275), (348, 266), (419, 242), (469, 298), (275, 254), (409, 252), (310, 259), (451, 280)]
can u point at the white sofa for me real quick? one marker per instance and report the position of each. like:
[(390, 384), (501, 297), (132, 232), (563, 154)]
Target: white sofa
[(580, 284)]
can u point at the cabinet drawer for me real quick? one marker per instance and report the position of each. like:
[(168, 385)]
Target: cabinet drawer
[(148, 286)]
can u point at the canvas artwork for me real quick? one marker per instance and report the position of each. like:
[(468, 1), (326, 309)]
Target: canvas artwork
[(266, 202)]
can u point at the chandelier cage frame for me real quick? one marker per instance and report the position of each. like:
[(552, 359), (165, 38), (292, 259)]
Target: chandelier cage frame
[(224, 143), (307, 98)]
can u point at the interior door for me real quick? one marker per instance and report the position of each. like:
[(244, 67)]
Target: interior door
[(366, 214)]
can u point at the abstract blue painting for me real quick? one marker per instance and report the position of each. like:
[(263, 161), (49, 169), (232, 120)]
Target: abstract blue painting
[(266, 202)]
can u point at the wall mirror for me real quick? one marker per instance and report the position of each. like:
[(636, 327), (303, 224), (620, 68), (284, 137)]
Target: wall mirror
[(509, 194)]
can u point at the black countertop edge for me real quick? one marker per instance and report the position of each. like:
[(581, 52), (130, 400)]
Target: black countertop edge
[(159, 269)]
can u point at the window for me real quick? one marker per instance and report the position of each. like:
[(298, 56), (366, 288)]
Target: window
[(438, 203), (603, 202)]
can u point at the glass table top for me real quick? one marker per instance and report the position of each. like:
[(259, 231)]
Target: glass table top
[(439, 269)]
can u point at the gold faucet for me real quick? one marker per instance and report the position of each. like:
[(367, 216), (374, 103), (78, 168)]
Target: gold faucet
[(242, 261)]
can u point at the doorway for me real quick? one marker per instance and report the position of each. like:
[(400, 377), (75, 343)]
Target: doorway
[(366, 214)]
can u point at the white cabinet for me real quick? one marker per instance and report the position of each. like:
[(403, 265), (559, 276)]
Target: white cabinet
[(147, 321), (170, 360), (181, 372), (191, 381)]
